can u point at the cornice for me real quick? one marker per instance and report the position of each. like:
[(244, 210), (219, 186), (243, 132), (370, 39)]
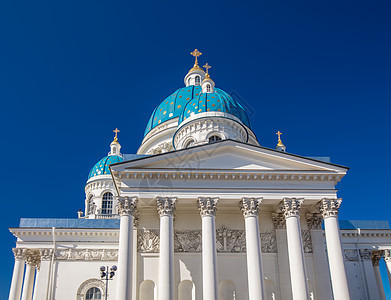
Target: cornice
[(256, 175), (378, 233), (23, 232)]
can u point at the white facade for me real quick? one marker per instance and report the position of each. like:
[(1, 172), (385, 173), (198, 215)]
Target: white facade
[(222, 220)]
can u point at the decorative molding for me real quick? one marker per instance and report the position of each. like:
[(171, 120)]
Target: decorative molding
[(268, 241), (188, 241), (278, 219), (90, 283), (230, 240), (161, 148), (250, 206), (166, 205), (366, 254), (99, 183), (291, 206), (329, 207), (33, 257), (46, 253), (207, 206), (307, 241), (351, 255), (127, 205), (314, 221), (87, 254), (148, 240), (19, 253), (376, 257)]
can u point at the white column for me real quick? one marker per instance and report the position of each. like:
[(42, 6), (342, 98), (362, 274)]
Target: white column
[(321, 265), (17, 276), (32, 262), (376, 257), (291, 209), (250, 209), (339, 281), (126, 209), (166, 208), (387, 259), (207, 208)]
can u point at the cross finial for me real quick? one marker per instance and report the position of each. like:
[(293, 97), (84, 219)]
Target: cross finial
[(207, 67), (196, 54), (116, 133), (279, 135)]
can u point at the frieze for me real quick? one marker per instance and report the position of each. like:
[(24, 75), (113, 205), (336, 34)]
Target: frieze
[(148, 240), (350, 255), (307, 241), (87, 254)]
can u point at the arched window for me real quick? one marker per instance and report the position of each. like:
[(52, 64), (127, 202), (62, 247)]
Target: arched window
[(114, 150), (197, 80), (189, 143), (208, 88), (147, 290), (94, 294), (186, 290), (107, 204), (227, 290), (214, 138), (188, 81)]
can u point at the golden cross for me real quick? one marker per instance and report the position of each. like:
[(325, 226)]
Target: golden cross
[(116, 132), (207, 67), (279, 135), (196, 53)]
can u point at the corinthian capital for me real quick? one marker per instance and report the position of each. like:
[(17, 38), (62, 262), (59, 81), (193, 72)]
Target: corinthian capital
[(329, 207), (291, 206), (127, 205), (166, 205), (207, 206), (19, 253), (33, 258), (250, 206), (376, 257)]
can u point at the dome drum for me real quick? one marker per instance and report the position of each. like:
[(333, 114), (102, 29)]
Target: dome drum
[(200, 131)]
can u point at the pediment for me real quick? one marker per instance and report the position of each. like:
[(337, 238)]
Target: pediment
[(228, 155)]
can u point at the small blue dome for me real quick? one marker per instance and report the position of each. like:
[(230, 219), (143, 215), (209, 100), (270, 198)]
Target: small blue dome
[(102, 166), (218, 101), (172, 106)]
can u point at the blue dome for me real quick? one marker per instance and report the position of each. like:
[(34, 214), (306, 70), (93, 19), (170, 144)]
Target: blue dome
[(218, 101), (172, 106), (102, 166)]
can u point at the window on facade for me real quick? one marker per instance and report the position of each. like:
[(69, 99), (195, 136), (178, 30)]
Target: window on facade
[(114, 150), (107, 204), (197, 80), (188, 81), (208, 88), (189, 143), (214, 138), (94, 294)]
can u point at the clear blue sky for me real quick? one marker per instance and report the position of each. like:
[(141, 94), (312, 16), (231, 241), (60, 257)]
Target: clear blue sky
[(72, 71)]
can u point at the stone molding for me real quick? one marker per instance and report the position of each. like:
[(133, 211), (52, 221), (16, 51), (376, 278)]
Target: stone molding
[(376, 257), (161, 148), (166, 205), (307, 241), (314, 221), (227, 175), (278, 219), (351, 255), (46, 253), (227, 241), (365, 254), (127, 205), (87, 254), (329, 207), (291, 206), (99, 183), (250, 206), (33, 257), (207, 206)]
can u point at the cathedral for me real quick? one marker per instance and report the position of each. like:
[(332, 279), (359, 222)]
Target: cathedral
[(203, 211)]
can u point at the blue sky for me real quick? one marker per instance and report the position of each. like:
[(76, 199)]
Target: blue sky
[(72, 71)]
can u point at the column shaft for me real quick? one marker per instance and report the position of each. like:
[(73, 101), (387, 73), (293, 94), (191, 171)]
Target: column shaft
[(379, 281), (28, 283), (296, 259), (339, 279), (166, 207), (126, 209), (17, 280), (250, 209), (387, 260), (209, 268)]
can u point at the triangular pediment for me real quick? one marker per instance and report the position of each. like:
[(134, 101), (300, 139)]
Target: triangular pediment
[(229, 155)]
